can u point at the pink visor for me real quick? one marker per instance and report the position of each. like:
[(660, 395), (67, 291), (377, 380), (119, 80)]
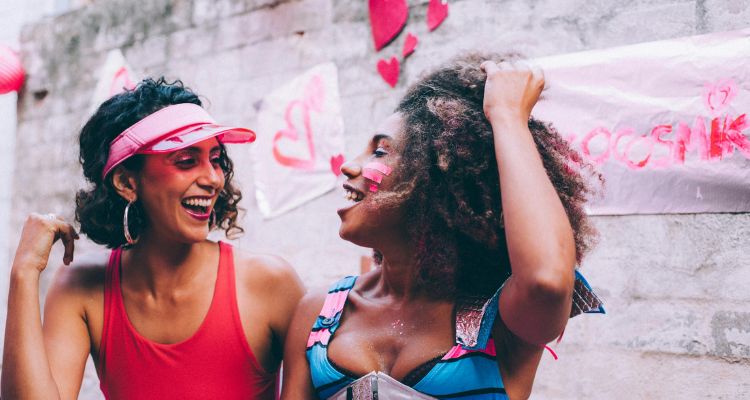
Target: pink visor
[(171, 128)]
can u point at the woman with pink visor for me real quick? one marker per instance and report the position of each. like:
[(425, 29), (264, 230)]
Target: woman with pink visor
[(167, 314)]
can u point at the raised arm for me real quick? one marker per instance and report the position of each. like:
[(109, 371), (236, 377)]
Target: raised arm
[(536, 300), (43, 363)]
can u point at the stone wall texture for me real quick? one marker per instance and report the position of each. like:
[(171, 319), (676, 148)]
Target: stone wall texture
[(675, 286)]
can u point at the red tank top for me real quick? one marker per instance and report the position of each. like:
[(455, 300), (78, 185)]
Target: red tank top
[(215, 363)]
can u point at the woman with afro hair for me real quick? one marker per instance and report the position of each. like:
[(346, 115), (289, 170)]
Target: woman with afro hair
[(474, 211)]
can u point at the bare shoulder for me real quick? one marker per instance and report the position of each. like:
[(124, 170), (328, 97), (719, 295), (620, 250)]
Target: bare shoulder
[(265, 270), (311, 303), (84, 275)]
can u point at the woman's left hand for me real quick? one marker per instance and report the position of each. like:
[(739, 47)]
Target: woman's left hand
[(511, 91)]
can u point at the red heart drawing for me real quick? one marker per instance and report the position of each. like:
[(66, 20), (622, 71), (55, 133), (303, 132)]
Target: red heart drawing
[(716, 96), (409, 45), (387, 19), (389, 71), (291, 133), (312, 100), (336, 162), (437, 11)]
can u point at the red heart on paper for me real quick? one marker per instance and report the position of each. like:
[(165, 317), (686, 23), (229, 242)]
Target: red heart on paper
[(717, 96), (336, 163), (437, 11), (409, 45), (292, 134), (389, 71), (387, 19)]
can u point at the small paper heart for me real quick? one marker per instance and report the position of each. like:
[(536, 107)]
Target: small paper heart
[(336, 162), (437, 11), (387, 19), (389, 71), (409, 45)]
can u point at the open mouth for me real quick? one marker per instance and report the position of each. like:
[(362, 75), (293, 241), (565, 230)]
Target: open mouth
[(199, 207), (352, 194)]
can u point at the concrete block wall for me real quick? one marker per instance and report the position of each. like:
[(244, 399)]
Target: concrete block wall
[(675, 286)]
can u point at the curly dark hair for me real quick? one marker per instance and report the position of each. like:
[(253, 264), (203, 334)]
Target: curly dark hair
[(451, 185), (99, 210)]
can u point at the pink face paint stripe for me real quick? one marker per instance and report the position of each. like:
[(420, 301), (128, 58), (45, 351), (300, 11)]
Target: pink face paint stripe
[(372, 175), (374, 188), (382, 168)]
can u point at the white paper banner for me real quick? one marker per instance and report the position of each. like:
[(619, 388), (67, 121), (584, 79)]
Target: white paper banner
[(664, 121), (300, 145)]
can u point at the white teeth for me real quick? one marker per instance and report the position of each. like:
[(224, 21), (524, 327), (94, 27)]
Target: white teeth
[(351, 195), (198, 202)]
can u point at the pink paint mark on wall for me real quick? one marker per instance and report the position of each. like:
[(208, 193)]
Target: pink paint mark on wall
[(313, 100)]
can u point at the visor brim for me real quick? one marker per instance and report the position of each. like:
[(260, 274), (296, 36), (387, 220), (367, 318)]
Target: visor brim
[(192, 135)]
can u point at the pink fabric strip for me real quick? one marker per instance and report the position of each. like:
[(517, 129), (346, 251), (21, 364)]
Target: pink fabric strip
[(554, 355), (322, 336), (458, 351), (334, 303)]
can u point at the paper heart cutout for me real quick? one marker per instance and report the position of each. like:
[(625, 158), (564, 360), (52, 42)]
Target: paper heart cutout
[(387, 19), (437, 11), (409, 45), (717, 96), (389, 70), (336, 162)]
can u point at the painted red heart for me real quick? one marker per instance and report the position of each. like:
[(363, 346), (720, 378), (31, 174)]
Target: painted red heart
[(437, 11), (291, 133), (387, 19), (389, 71), (336, 162), (409, 45), (716, 96)]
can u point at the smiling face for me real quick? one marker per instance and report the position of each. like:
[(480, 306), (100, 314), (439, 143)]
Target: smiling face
[(178, 190), (373, 214)]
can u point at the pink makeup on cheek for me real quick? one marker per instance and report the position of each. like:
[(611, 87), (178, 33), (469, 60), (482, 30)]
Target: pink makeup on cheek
[(375, 171)]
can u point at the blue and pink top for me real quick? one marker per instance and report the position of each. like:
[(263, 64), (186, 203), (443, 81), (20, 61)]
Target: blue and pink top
[(468, 370)]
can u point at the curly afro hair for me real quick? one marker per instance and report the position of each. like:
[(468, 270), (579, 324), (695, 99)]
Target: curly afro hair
[(99, 209), (451, 187)]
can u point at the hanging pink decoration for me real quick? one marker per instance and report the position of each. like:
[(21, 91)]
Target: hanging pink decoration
[(11, 71), (409, 45), (389, 70), (437, 11), (387, 19)]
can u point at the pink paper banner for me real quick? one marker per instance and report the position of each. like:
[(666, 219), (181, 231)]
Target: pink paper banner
[(665, 122)]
